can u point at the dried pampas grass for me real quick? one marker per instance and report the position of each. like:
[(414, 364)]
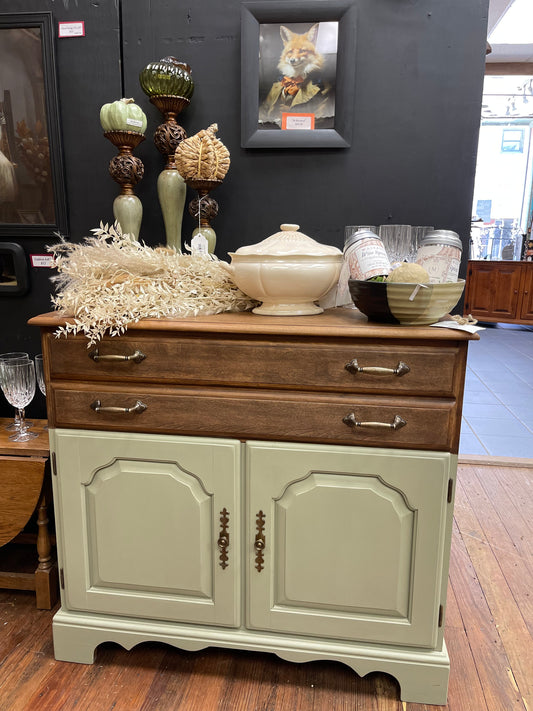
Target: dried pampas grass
[(110, 280)]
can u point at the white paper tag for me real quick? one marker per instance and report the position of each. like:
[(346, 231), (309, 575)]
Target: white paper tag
[(459, 327), (71, 29), (199, 244), (42, 260), (299, 123), (134, 122)]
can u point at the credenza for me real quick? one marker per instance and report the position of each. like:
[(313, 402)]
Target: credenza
[(276, 484)]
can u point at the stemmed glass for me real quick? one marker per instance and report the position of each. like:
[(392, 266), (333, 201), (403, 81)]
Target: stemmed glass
[(18, 385), (13, 357), (417, 235), (397, 241), (350, 229), (39, 372)]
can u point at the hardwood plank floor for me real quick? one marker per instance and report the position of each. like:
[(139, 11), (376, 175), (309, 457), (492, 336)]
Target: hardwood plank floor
[(489, 629)]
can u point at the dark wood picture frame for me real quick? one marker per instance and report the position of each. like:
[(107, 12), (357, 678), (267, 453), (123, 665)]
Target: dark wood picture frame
[(281, 12), (30, 128), (14, 279)]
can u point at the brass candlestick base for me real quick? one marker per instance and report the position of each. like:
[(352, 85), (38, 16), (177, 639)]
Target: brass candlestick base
[(204, 208), (126, 169), (169, 134)]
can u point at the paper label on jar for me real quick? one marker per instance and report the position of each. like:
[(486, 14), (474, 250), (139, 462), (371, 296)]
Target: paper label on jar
[(440, 261), (367, 258)]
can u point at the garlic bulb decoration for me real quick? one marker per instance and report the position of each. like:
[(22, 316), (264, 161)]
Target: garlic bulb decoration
[(203, 156)]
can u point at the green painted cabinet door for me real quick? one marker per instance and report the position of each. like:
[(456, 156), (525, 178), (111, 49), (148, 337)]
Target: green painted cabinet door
[(140, 518), (355, 541)]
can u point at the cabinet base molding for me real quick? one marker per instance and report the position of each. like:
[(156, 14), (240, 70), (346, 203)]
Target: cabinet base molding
[(421, 674)]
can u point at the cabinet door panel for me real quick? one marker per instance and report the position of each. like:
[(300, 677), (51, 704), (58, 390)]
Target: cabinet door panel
[(506, 290), (143, 518), (479, 290), (354, 541), (493, 290), (526, 307)]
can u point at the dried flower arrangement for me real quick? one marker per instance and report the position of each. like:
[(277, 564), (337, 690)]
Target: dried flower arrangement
[(110, 280)]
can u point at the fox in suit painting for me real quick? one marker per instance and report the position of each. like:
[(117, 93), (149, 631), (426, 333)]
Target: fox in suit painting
[(301, 88)]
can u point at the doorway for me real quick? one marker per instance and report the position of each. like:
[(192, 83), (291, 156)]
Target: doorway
[(502, 205)]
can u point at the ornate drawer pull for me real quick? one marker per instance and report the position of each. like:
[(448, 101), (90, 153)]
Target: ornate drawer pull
[(354, 368), (136, 357), (260, 543), (135, 410), (396, 424), (223, 539)]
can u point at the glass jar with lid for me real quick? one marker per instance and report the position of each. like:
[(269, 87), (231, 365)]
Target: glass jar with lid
[(440, 255)]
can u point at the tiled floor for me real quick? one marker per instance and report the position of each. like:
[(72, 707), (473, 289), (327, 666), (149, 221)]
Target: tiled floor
[(498, 401)]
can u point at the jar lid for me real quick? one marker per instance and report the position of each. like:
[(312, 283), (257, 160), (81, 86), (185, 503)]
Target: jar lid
[(447, 237), (360, 234), (288, 241)]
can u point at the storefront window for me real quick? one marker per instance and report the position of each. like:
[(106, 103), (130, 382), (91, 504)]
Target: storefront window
[(502, 203)]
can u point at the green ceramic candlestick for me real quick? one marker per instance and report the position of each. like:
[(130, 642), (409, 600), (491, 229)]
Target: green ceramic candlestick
[(169, 85), (124, 124)]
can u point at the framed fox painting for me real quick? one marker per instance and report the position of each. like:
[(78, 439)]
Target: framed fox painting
[(298, 67)]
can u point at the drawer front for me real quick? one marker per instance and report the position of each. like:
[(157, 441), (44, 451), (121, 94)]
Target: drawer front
[(245, 413), (278, 364)]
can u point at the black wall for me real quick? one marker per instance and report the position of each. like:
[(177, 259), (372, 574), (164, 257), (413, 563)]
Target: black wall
[(418, 84)]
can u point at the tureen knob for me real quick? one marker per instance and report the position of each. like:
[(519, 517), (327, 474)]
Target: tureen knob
[(289, 228)]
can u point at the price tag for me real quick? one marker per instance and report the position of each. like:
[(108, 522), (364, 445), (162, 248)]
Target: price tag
[(42, 260), (297, 122), (71, 29), (199, 244)]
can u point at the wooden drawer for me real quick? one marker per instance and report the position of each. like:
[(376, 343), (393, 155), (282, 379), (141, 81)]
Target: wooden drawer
[(278, 363), (247, 413)]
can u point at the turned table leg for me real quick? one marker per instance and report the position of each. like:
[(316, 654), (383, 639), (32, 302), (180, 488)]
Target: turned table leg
[(46, 576)]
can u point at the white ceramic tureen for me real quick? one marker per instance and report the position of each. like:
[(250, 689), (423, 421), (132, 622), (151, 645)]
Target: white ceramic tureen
[(287, 271)]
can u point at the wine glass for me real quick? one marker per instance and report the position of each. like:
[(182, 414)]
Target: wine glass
[(18, 385), (417, 235), (349, 230), (397, 241), (13, 357), (39, 372)]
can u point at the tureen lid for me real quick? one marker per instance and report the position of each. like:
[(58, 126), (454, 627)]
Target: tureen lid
[(288, 241)]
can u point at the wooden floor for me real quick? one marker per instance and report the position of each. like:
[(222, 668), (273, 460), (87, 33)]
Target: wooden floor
[(489, 631)]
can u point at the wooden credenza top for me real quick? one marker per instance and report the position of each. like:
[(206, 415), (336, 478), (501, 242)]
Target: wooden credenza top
[(339, 322)]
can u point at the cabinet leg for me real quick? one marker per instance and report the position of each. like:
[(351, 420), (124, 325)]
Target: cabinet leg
[(73, 645), (423, 685)]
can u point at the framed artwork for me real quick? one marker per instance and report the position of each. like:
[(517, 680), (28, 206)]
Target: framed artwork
[(13, 270), (297, 73), (32, 185)]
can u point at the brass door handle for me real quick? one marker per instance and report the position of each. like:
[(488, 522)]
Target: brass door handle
[(136, 357), (396, 424), (354, 368), (223, 539), (259, 542), (135, 410)]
